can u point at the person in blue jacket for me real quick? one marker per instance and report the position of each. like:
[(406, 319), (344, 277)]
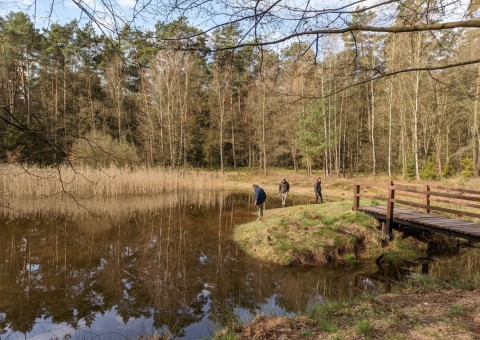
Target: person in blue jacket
[(260, 197)]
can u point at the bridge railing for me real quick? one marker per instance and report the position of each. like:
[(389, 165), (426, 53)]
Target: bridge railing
[(424, 197)]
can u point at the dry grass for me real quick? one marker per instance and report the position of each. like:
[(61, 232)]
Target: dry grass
[(32, 181)]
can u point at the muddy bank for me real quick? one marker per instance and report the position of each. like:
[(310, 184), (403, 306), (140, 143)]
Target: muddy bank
[(441, 314)]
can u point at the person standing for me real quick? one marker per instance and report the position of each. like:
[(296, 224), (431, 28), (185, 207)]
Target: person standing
[(283, 189), (318, 190), (260, 197)]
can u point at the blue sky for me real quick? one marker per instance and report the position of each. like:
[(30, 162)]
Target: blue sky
[(45, 12)]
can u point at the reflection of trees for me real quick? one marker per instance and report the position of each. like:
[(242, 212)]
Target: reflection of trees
[(145, 266), (177, 265)]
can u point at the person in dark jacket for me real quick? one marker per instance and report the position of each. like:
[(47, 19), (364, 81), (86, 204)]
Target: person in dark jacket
[(283, 189), (317, 187), (260, 197)]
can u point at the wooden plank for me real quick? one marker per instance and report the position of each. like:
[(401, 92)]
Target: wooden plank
[(405, 195), (432, 207), (456, 203), (463, 198), (467, 191), (438, 193), (373, 197), (432, 222), (410, 203), (456, 212)]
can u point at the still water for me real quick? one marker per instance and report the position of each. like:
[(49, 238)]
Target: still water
[(131, 267)]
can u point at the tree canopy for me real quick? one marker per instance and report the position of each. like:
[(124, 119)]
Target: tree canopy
[(367, 85)]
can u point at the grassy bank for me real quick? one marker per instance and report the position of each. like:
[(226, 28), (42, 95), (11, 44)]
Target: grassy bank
[(421, 308), (319, 234)]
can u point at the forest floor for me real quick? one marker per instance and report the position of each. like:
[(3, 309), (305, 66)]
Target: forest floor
[(333, 188)]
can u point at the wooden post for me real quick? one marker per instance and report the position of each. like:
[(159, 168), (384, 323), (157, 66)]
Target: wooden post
[(356, 197), (387, 230), (427, 199)]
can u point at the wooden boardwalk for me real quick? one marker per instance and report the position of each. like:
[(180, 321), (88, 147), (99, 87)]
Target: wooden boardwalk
[(430, 222), (422, 199)]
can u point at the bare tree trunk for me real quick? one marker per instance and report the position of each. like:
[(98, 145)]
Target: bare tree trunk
[(415, 124), (151, 137), (90, 101), (186, 92), (325, 129), (264, 147), (234, 154), (390, 122), (403, 140), (64, 100), (416, 109), (221, 103), (56, 104), (222, 113), (475, 134)]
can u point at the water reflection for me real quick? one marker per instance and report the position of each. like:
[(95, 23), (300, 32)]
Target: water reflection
[(148, 265)]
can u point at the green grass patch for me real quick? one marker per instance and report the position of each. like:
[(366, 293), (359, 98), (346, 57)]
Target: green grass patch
[(423, 283), (318, 234), (420, 283), (365, 328), (456, 309), (328, 327), (229, 335), (325, 312), (307, 332)]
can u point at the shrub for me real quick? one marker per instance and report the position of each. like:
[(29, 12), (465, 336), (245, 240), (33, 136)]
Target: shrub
[(447, 171), (429, 169), (466, 165), (410, 172), (101, 150)]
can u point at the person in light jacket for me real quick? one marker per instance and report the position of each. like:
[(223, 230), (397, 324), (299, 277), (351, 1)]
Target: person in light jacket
[(283, 189)]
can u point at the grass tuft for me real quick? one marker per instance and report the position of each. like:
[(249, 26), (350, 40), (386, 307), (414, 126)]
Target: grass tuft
[(365, 328)]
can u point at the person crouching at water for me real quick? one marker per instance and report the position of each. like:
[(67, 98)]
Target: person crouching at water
[(260, 197), (283, 189)]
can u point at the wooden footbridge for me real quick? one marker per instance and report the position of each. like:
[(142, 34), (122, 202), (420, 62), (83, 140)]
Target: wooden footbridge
[(411, 205)]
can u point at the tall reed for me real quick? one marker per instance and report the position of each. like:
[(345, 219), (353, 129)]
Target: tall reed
[(99, 213), (33, 181)]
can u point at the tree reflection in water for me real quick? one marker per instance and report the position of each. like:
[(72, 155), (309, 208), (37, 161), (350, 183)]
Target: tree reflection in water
[(125, 268)]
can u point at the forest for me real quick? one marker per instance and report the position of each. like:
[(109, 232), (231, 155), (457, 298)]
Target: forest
[(368, 102)]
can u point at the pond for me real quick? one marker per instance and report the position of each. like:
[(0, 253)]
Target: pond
[(139, 266)]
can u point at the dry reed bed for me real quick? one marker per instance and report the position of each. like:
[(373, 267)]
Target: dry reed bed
[(32, 181), (99, 213)]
